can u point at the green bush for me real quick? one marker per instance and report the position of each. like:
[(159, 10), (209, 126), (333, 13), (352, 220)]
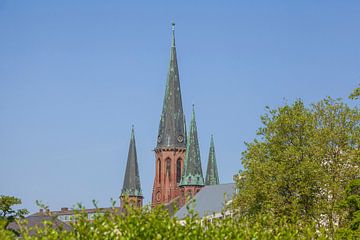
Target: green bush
[(156, 223)]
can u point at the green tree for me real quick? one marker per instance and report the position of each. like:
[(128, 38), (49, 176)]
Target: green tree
[(7, 213), (301, 163), (355, 94), (350, 228)]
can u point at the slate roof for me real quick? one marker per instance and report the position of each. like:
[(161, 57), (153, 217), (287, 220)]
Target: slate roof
[(131, 185), (209, 200), (37, 220), (172, 129)]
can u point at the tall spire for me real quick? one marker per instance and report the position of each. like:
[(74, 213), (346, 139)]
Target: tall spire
[(131, 185), (192, 175), (212, 177), (172, 122)]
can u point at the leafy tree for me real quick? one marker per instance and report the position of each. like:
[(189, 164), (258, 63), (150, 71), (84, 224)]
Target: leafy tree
[(302, 162), (355, 94), (350, 228), (7, 213)]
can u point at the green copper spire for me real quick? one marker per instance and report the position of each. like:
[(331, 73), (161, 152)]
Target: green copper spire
[(172, 122), (131, 185), (192, 174), (212, 177)]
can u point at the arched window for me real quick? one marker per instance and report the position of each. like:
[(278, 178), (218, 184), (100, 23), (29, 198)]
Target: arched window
[(178, 170), (168, 168), (190, 194), (159, 163)]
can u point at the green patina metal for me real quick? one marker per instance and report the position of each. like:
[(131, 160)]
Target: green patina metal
[(131, 185), (172, 130), (192, 174), (212, 177)]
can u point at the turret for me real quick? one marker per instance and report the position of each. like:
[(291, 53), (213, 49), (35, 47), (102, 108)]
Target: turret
[(131, 192), (212, 177), (192, 178)]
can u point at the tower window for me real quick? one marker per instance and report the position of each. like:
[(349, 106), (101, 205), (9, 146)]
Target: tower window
[(159, 166), (168, 168), (178, 170)]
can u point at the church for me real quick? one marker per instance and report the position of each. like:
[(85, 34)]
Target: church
[(178, 170)]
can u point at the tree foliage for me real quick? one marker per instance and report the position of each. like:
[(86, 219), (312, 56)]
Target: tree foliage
[(355, 94), (7, 213), (156, 223), (302, 163)]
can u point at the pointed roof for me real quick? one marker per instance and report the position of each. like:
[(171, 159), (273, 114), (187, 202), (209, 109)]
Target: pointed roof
[(131, 185), (172, 132), (212, 177), (192, 174)]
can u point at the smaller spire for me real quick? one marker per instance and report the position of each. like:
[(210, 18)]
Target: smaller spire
[(192, 174), (131, 186), (212, 177)]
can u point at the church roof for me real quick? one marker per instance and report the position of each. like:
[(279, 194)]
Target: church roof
[(212, 177), (192, 174), (172, 130), (211, 199), (131, 185)]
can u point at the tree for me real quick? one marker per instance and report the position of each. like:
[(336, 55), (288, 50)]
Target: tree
[(302, 162), (350, 228), (7, 213), (355, 94)]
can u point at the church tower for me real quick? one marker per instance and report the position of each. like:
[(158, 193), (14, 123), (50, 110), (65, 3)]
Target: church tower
[(212, 177), (192, 179), (131, 192), (171, 140)]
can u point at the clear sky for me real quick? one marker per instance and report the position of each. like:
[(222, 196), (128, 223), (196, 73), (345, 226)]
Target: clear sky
[(75, 75)]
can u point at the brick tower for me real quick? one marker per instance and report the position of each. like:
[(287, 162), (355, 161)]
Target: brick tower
[(131, 192), (171, 140), (192, 179)]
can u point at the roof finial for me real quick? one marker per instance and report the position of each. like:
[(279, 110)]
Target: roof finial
[(132, 132), (173, 34)]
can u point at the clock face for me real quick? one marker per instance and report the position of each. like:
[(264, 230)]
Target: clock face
[(180, 138), (159, 139), (158, 196)]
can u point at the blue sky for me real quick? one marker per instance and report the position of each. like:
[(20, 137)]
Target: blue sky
[(75, 75)]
